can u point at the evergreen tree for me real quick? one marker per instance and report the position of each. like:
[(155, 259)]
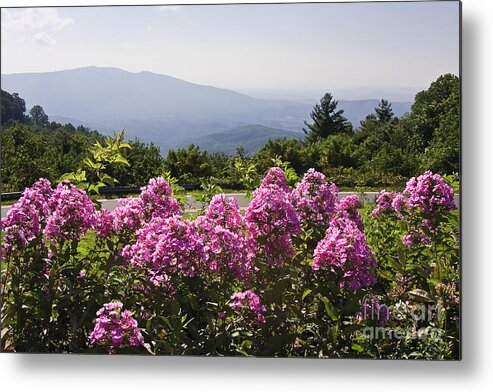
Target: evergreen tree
[(384, 111), (327, 120)]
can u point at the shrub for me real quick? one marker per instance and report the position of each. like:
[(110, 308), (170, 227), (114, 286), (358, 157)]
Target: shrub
[(294, 276)]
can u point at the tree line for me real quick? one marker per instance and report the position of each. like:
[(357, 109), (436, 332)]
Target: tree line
[(383, 151)]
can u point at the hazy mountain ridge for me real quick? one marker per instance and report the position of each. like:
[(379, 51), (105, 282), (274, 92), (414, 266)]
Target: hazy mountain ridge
[(250, 137), (167, 111)]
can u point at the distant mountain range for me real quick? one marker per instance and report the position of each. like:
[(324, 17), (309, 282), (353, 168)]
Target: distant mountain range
[(250, 137), (167, 111)]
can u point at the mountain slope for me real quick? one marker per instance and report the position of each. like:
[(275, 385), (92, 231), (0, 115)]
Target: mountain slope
[(101, 93), (158, 108), (250, 137), (153, 107)]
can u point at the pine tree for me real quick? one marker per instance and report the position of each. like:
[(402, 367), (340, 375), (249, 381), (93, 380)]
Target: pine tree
[(384, 111), (327, 120)]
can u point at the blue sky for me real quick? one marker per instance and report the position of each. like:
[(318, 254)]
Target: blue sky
[(283, 50)]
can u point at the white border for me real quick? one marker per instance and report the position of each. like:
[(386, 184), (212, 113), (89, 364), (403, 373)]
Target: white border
[(84, 373)]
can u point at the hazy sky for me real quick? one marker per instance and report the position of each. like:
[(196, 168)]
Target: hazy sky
[(290, 49)]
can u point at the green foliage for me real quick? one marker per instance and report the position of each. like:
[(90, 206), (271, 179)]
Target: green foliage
[(382, 152), (209, 188), (144, 160), (291, 177), (384, 111), (102, 157), (178, 191), (434, 124), (188, 165), (337, 151), (13, 107), (289, 150), (28, 154), (38, 117), (247, 175)]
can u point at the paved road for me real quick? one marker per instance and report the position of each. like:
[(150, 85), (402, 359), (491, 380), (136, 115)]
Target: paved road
[(192, 205)]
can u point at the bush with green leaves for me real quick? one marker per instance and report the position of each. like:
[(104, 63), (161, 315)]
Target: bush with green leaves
[(296, 275)]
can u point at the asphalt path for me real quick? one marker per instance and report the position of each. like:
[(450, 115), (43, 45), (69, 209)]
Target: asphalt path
[(192, 205)]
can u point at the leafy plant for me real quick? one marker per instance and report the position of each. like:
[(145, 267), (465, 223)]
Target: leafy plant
[(96, 168), (209, 190)]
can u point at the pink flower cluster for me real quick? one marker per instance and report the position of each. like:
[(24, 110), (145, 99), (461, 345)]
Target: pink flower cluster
[(250, 302), (157, 200), (26, 219), (384, 203), (131, 214), (65, 213), (72, 214), (127, 217), (115, 328), (104, 225), (345, 248), (272, 219), (423, 198), (430, 193), (275, 177), (223, 234), (348, 208), (167, 247), (225, 212), (315, 201)]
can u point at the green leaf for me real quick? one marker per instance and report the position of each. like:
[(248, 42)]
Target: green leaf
[(386, 275), (121, 159), (329, 309), (357, 347), (125, 145), (306, 293), (88, 162)]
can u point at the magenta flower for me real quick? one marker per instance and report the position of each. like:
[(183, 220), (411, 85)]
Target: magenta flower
[(73, 213), (225, 212), (348, 208), (314, 200), (272, 219), (430, 193), (250, 303), (155, 201), (127, 217), (415, 238), (226, 250), (375, 312), (423, 198), (275, 177), (104, 223), (26, 219), (345, 247), (115, 328), (384, 202), (167, 248)]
